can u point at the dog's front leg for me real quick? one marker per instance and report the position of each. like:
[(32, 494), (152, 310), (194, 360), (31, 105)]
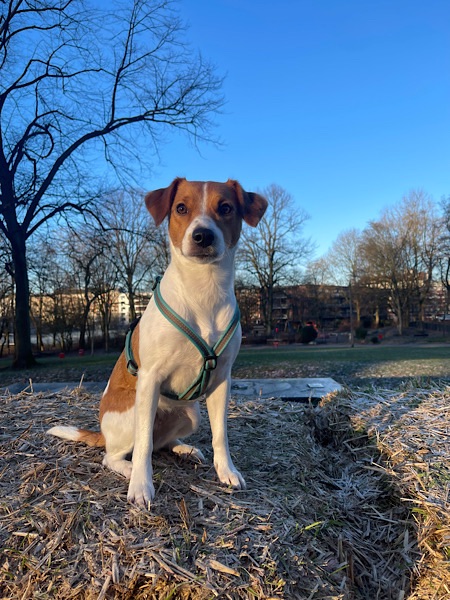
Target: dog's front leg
[(141, 490), (217, 404)]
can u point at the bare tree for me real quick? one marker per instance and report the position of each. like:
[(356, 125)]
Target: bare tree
[(384, 247), (401, 253), (86, 249), (44, 267), (104, 287), (444, 252), (137, 247), (271, 254), (423, 226), (79, 86), (344, 259)]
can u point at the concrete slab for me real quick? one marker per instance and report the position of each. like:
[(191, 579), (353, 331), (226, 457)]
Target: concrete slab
[(294, 389)]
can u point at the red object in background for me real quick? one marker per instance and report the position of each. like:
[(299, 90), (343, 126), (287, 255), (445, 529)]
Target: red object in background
[(380, 336), (62, 355), (81, 352)]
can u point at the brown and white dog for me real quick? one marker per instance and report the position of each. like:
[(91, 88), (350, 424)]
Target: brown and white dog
[(205, 220)]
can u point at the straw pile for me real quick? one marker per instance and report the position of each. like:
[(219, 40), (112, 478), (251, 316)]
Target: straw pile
[(322, 518), (412, 428)]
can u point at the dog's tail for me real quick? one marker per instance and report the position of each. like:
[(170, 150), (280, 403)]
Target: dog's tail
[(91, 438)]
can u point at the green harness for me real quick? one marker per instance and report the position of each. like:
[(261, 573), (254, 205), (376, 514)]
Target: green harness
[(209, 355)]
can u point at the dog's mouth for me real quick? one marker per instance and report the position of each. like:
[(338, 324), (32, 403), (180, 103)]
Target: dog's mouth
[(205, 255)]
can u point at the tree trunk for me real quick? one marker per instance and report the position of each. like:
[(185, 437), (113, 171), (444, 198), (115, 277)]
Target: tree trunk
[(23, 356), (106, 332), (377, 317), (130, 291), (399, 318), (267, 308), (270, 308), (83, 327), (132, 310)]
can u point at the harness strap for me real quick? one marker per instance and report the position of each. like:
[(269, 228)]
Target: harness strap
[(209, 355), (132, 365)]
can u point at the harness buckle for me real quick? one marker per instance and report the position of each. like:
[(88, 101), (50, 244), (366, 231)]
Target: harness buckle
[(210, 362), (132, 367), (156, 282)]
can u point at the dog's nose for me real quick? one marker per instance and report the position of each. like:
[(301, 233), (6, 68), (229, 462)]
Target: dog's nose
[(203, 237)]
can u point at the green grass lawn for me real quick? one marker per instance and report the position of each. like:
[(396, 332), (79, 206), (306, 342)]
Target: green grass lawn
[(72, 367), (347, 365), (269, 357)]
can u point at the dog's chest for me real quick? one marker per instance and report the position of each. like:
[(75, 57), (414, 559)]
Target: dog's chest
[(175, 358), (188, 372)]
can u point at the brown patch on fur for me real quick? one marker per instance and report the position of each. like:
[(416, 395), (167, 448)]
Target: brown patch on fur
[(121, 392), (190, 194), (91, 438), (253, 206), (159, 202), (249, 206)]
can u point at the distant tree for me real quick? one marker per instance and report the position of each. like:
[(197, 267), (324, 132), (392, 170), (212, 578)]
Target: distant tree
[(385, 248), (78, 81), (271, 254), (424, 226), (54, 309), (400, 250), (248, 300), (104, 287), (317, 278), (87, 249), (444, 251), (318, 272), (138, 249), (344, 259), (45, 268)]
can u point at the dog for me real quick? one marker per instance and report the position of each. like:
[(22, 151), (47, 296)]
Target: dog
[(141, 414)]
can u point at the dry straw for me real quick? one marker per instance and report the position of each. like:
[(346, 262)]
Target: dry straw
[(324, 515)]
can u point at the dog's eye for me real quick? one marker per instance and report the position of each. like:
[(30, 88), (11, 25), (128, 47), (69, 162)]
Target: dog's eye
[(181, 209), (225, 209)]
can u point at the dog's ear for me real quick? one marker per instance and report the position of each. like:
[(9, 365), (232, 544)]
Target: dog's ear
[(159, 202), (253, 206)]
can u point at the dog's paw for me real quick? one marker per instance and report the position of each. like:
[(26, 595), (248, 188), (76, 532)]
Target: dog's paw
[(123, 467), (231, 477), (141, 493), (190, 452)]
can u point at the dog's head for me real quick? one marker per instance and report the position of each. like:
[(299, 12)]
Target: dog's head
[(205, 218)]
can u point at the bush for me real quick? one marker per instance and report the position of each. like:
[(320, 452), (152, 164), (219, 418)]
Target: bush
[(344, 326), (360, 333), (308, 334)]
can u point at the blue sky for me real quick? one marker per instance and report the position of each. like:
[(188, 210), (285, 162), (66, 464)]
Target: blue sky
[(343, 103)]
